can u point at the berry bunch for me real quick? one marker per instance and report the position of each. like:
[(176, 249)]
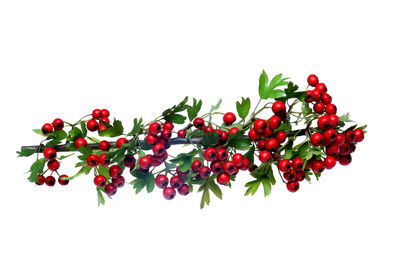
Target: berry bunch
[(254, 142)]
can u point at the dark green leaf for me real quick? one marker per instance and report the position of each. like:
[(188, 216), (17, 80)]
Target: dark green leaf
[(116, 130), (250, 155), (194, 110), (83, 128), (175, 118), (210, 139), (184, 160), (243, 108), (136, 126), (36, 168), (25, 152)]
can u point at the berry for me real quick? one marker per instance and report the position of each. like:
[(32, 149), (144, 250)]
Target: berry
[(309, 97), (110, 189), (327, 99), (330, 162), (102, 127), (181, 133), (144, 162), (223, 136), (260, 125), (166, 134), (105, 120), (105, 113), (350, 136), (210, 154), (196, 165), (293, 186), (92, 160), (216, 166), (334, 120), (264, 156), (58, 124), (317, 139), (40, 180), (161, 181), (47, 128), (129, 161), (284, 165), (103, 161), (208, 129), (245, 165), (49, 153), (154, 128), (358, 135), (62, 181), (330, 109), (316, 94), (321, 87), (80, 142), (279, 108), (158, 149), (268, 132), (151, 139), (104, 145), (319, 107), (204, 172), (169, 193), (222, 155), (253, 134), (312, 80), (184, 190), (261, 144), (237, 159), (272, 144), (115, 171), (280, 136), (332, 150), (118, 182), (198, 123), (345, 160), (176, 182), (340, 139), (344, 149), (274, 122), (223, 178), (229, 118), (230, 167), (297, 164), (324, 123), (96, 114), (92, 125), (233, 130), (300, 176), (290, 175), (168, 125), (50, 181), (318, 166), (330, 135), (53, 165)]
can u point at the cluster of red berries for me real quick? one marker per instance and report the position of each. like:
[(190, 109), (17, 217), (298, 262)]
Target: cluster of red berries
[(100, 116), (110, 185), (57, 125), (176, 183), (53, 165)]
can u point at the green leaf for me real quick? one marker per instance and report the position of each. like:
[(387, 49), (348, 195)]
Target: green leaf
[(266, 90), (291, 88), (136, 126), (175, 118), (214, 108), (215, 188), (176, 108), (38, 131), (241, 144), (55, 138), (184, 160), (75, 133), (65, 156), (267, 187), (100, 198), (143, 180), (243, 108), (36, 168), (25, 152), (104, 171), (210, 139), (252, 187), (250, 155), (192, 111), (205, 198), (84, 129), (305, 108), (115, 130)]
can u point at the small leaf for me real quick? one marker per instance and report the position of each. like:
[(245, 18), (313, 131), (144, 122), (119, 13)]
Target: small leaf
[(250, 155), (210, 139), (252, 187), (266, 90), (136, 127), (214, 188), (36, 168), (194, 110), (116, 130), (175, 118), (267, 187), (38, 131), (100, 198), (65, 156), (243, 108), (214, 108), (84, 129), (25, 152)]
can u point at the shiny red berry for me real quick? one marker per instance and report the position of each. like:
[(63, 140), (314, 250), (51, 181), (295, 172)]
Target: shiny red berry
[(144, 162), (184, 190), (279, 108), (319, 107), (324, 123), (104, 145), (264, 156), (316, 94), (196, 165), (230, 167), (223, 178), (318, 166), (284, 165), (345, 160), (280, 136), (309, 96), (317, 139), (50, 181), (272, 144), (293, 186), (53, 165), (237, 159), (158, 149), (169, 193), (105, 120), (154, 128), (330, 162), (208, 129), (253, 135), (204, 172), (161, 181), (118, 182), (121, 141), (166, 134), (103, 160), (245, 165), (297, 164), (330, 109), (176, 182), (92, 160), (47, 128), (327, 99), (259, 126), (105, 113), (49, 153), (300, 176), (229, 118), (222, 154), (312, 80), (340, 139), (181, 133), (115, 171), (40, 180), (129, 161), (80, 142), (290, 175), (358, 135), (334, 120), (330, 135), (110, 189), (321, 87), (198, 123), (274, 122), (92, 125), (332, 150), (168, 125), (61, 181), (216, 166), (58, 124), (233, 130), (96, 114), (100, 181), (350, 136), (151, 139), (210, 154)]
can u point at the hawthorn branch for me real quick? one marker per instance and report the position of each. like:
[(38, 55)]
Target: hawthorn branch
[(173, 141)]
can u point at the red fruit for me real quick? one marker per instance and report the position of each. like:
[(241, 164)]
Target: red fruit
[(272, 144), (47, 128), (216, 166), (154, 128), (318, 166), (208, 129), (223, 178), (105, 120), (180, 173), (268, 132), (92, 125), (121, 141), (332, 150), (176, 182), (309, 97), (198, 123), (233, 130), (103, 160), (321, 87), (210, 154), (96, 114), (358, 135), (345, 160), (264, 156), (118, 182), (168, 125), (50, 181), (245, 165), (324, 123), (196, 165), (223, 136), (151, 139), (279, 108), (166, 134), (204, 172), (230, 167), (260, 125), (169, 193), (330, 162), (229, 118), (53, 165), (144, 162), (158, 149), (80, 142), (104, 145), (161, 181), (284, 165), (340, 139), (327, 99), (129, 161), (261, 144), (92, 160), (49, 153), (290, 175), (345, 149), (350, 136), (115, 171), (184, 190), (317, 139), (334, 120), (110, 189), (297, 164), (316, 94), (300, 176), (102, 127), (253, 134), (312, 80), (237, 159), (330, 135), (100, 181), (105, 113), (330, 109), (222, 155), (293, 186), (58, 124), (40, 180), (319, 107), (274, 122), (181, 133), (280, 136)]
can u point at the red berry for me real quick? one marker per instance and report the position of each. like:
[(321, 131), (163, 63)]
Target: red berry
[(290, 175), (181, 133), (151, 139), (297, 164), (144, 162), (332, 150), (293, 186), (158, 149), (92, 125), (216, 166), (280, 136), (268, 132), (104, 145), (345, 160), (154, 128), (198, 123), (253, 134), (121, 141), (210, 154), (318, 166), (49, 153), (279, 108), (166, 134), (61, 181), (245, 165), (230, 167), (184, 190), (105, 120), (105, 113), (80, 142), (300, 176), (316, 94), (319, 107), (110, 189), (284, 165), (222, 154), (260, 125), (223, 136), (118, 182), (237, 159), (261, 144), (274, 122), (272, 144), (58, 124), (181, 173), (229, 118), (334, 120), (358, 135), (47, 128), (317, 139), (264, 156), (208, 129), (92, 160), (115, 171), (233, 130), (327, 99), (53, 165), (340, 139), (324, 123), (321, 87), (169, 193), (176, 182), (330, 109), (330, 135), (345, 149), (129, 161), (223, 178), (309, 97), (312, 80), (168, 125), (40, 180), (50, 181), (161, 181), (103, 160), (204, 172), (102, 127), (330, 162), (350, 136), (96, 114), (196, 165)]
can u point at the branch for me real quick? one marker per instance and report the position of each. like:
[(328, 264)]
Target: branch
[(173, 141)]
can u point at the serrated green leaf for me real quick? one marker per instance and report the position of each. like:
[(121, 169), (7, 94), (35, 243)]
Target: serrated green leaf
[(252, 187), (65, 156), (305, 108), (36, 168), (193, 111), (184, 160), (243, 108), (205, 198), (250, 155), (100, 198), (104, 171), (75, 133), (25, 152), (210, 139), (175, 118), (267, 187), (84, 129), (266, 90), (215, 188), (116, 130), (136, 127)]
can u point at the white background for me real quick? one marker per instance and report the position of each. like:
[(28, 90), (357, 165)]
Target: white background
[(64, 58)]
